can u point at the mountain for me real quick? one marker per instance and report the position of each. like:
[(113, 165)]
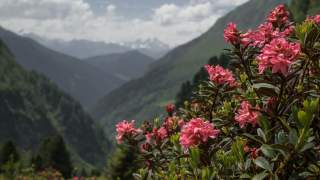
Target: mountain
[(150, 47), (33, 108), (126, 66), (82, 81), (84, 49), (145, 98), (80, 48)]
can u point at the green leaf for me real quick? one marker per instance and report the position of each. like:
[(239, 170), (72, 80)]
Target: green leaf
[(244, 176), (306, 147), (247, 164), (303, 118), (266, 85), (281, 137), (268, 151), (252, 138), (293, 136), (263, 163), (314, 105), (260, 176), (265, 124), (261, 134), (195, 156)]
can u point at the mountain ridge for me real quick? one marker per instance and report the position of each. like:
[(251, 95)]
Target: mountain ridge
[(126, 66), (33, 108), (72, 75)]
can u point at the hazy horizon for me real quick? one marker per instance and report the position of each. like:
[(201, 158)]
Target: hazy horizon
[(172, 22)]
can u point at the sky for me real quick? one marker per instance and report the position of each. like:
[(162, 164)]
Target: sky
[(172, 22)]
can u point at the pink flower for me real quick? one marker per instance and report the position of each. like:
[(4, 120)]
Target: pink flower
[(246, 115), (279, 15), (145, 147), (278, 55), (231, 34), (315, 19), (181, 123), (246, 38), (169, 123), (170, 108), (197, 131), (254, 153), (287, 32), (126, 128), (219, 75), (148, 137), (160, 134), (266, 33), (246, 149)]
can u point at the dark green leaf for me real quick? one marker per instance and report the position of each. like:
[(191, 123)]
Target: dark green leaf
[(261, 134), (293, 137), (260, 176), (268, 151), (263, 163)]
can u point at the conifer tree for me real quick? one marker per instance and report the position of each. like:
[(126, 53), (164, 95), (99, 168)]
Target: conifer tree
[(54, 154), (9, 153), (123, 163)]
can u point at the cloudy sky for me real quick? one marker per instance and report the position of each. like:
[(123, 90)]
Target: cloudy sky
[(173, 22)]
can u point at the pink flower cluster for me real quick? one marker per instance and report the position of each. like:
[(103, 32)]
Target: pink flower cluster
[(170, 108), (220, 76), (158, 135), (315, 19), (233, 36), (265, 33), (197, 131), (278, 18), (279, 15), (278, 55), (254, 152), (246, 115), (231, 33), (126, 128)]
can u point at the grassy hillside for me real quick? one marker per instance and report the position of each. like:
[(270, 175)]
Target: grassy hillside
[(143, 98), (126, 66), (82, 81), (32, 108)]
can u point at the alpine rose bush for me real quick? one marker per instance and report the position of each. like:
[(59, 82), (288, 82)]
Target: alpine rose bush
[(257, 119)]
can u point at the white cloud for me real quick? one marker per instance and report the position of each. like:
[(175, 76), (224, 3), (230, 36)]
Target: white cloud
[(68, 19)]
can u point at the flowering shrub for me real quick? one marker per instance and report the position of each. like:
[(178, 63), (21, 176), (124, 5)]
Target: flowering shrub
[(259, 121)]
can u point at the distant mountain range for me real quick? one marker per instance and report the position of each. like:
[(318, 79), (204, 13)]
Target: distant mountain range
[(83, 81), (83, 49), (33, 108), (145, 97), (126, 66)]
